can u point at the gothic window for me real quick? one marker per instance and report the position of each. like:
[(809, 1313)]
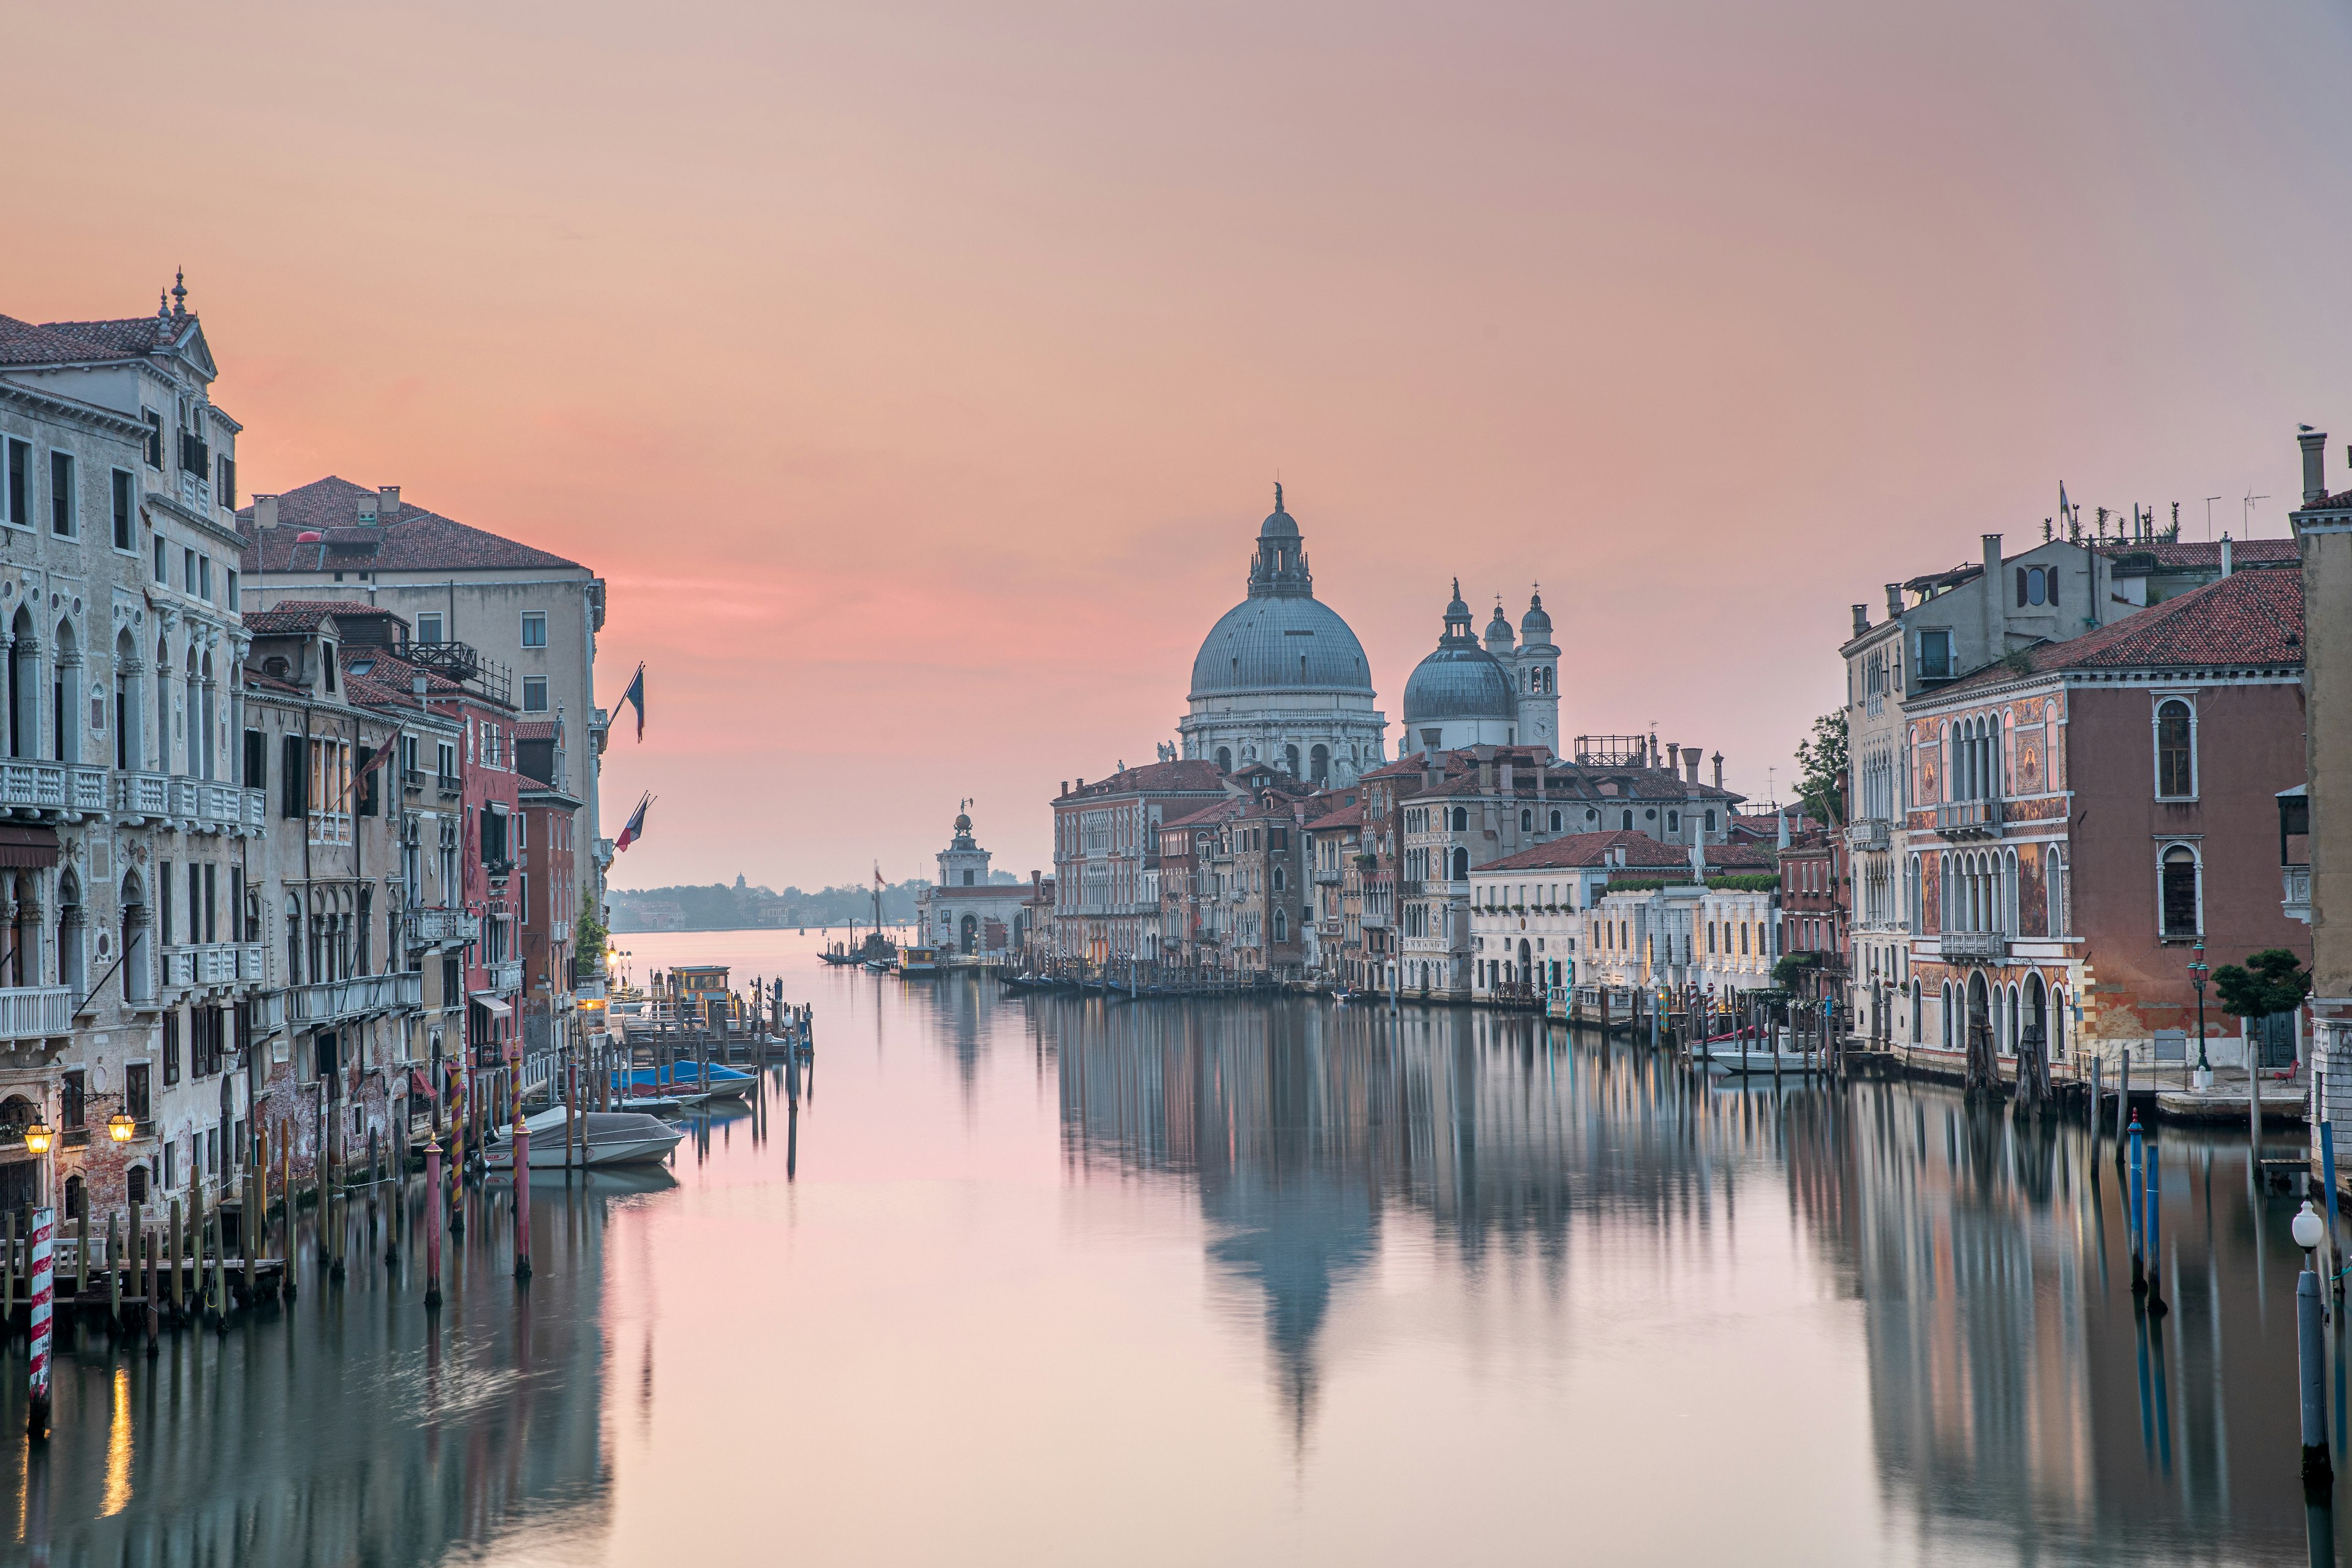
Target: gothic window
[(2179, 897), (2175, 751)]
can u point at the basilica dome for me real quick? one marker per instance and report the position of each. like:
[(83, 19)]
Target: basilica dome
[(1459, 679)]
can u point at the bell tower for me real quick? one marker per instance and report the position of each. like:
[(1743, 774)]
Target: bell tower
[(1538, 679)]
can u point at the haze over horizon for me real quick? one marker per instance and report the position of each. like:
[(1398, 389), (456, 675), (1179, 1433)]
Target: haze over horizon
[(918, 375)]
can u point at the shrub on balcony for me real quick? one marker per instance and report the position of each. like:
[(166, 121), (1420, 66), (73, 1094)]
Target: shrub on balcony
[(1792, 965)]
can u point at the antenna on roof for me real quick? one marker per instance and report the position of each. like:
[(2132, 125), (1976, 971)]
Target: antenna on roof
[(2247, 521)]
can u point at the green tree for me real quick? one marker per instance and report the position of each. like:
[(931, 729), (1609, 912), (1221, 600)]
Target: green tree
[(588, 933), (1821, 769), (2269, 982)]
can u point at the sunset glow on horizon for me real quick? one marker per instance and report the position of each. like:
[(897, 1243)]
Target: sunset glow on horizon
[(917, 377)]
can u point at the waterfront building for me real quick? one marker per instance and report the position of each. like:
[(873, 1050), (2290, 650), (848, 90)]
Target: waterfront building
[(963, 912), (1814, 914), (469, 597), (1106, 838), (1332, 839), (330, 1047), (1280, 678), (2089, 817), (125, 860), (2316, 829), (1191, 848), (548, 888)]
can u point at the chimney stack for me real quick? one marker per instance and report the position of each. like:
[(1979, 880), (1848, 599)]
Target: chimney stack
[(2225, 556), (265, 512), (1996, 604), (1691, 759), (387, 503), (1894, 601), (1718, 769), (1674, 757), (1861, 619), (1503, 781), (2315, 463)]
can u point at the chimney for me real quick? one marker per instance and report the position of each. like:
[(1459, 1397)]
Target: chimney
[(1486, 775), (1065, 786), (1651, 760), (388, 502), (1691, 759), (1718, 769), (1674, 758), (1996, 602), (1894, 601), (1503, 781), (1861, 619), (2225, 556), (2314, 463), (265, 512), (417, 684)]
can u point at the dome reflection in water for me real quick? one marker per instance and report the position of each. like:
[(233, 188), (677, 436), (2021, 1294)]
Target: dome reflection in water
[(1061, 1279)]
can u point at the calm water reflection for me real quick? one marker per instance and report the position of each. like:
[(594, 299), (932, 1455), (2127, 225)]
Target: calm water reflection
[(1059, 1280)]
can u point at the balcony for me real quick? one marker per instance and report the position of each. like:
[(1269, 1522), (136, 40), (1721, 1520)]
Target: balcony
[(1328, 877), (2296, 896), (212, 963), (142, 797), (412, 779), (1970, 818), (331, 1001), (507, 977), (448, 784), (36, 1012), (434, 924), (1869, 833), (1972, 946), (1409, 887), (55, 786), (497, 870)]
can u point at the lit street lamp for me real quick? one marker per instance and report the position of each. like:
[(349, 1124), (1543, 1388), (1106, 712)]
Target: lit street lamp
[(120, 1127), (38, 1138)]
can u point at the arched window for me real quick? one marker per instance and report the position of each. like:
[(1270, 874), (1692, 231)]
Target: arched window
[(1629, 822), (2176, 751), (1319, 762), (1462, 865), (1281, 924), (129, 749), (1224, 759), (1555, 821), (1743, 939), (293, 941), (70, 967), (1461, 819), (1281, 878), (138, 980), (1947, 1015), (2054, 877), (65, 696), (1290, 761), (2178, 897), (1526, 820), (1918, 1010)]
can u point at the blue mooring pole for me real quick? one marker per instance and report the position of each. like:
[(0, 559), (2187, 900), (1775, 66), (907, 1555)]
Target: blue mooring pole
[(2132, 1219), (2327, 1172), (2153, 1223)]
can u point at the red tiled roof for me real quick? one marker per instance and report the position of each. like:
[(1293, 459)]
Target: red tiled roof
[(290, 615), (537, 730), (2246, 618), (122, 336), (1594, 849), (1219, 812), (2176, 554), (1153, 778), (411, 539), (22, 343), (1346, 816)]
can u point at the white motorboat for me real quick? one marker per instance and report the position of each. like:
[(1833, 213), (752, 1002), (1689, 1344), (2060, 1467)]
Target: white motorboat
[(606, 1138), (1729, 1056)]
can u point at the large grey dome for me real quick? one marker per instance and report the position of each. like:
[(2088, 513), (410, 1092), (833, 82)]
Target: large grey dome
[(1280, 643), (1458, 681)]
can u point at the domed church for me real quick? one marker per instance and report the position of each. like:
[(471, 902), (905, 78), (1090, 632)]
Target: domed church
[(1280, 678), (1505, 693)]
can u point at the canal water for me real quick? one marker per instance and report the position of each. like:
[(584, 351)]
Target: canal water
[(1050, 1280)]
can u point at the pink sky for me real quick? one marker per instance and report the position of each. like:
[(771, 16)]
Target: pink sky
[(918, 375)]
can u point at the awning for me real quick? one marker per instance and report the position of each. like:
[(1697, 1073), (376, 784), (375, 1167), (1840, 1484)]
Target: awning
[(491, 1003), (24, 846), (416, 1084)]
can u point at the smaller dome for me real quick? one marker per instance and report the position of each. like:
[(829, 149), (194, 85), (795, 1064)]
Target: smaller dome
[(1278, 524), (1536, 625), (1498, 630), (1455, 610), (962, 822)]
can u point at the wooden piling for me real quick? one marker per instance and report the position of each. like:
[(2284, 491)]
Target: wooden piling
[(9, 1272), (176, 1241), (255, 1221)]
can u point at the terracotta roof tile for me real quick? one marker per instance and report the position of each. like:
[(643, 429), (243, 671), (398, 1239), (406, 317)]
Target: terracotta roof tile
[(411, 540), (1154, 778), (2246, 618), (1641, 850)]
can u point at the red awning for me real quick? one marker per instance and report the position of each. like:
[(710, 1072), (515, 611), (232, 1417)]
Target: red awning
[(24, 846)]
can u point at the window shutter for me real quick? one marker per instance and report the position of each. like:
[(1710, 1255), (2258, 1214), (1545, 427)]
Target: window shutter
[(2020, 587), (290, 776)]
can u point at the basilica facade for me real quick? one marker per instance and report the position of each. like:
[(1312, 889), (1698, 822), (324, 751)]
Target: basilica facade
[(1280, 678)]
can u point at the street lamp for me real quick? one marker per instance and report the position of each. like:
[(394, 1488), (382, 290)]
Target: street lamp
[(120, 1127), (2197, 978), (38, 1138)]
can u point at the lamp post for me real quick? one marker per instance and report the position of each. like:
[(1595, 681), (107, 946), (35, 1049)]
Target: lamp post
[(2310, 1355), (2197, 970)]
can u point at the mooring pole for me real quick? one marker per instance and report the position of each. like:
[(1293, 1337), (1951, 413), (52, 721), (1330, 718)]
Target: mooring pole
[(2311, 1357), (523, 1194), (44, 1283), (433, 1225), (2132, 1190)]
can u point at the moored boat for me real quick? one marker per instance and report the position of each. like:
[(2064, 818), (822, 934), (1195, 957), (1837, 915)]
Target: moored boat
[(605, 1138)]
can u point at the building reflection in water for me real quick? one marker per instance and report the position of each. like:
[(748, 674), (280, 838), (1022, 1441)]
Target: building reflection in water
[(2019, 1394), (341, 1428)]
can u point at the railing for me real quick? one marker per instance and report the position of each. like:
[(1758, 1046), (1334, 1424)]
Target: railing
[(330, 827), (33, 1012), (333, 999), (436, 924), (1409, 887), (448, 784), (143, 794), (1985, 946), (2296, 894), (411, 778), (1869, 833), (507, 976), (1970, 818), (62, 786), (212, 963), (1327, 877)]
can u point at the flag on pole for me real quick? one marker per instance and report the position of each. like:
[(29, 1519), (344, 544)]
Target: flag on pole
[(636, 826), (2065, 515), (635, 697)]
